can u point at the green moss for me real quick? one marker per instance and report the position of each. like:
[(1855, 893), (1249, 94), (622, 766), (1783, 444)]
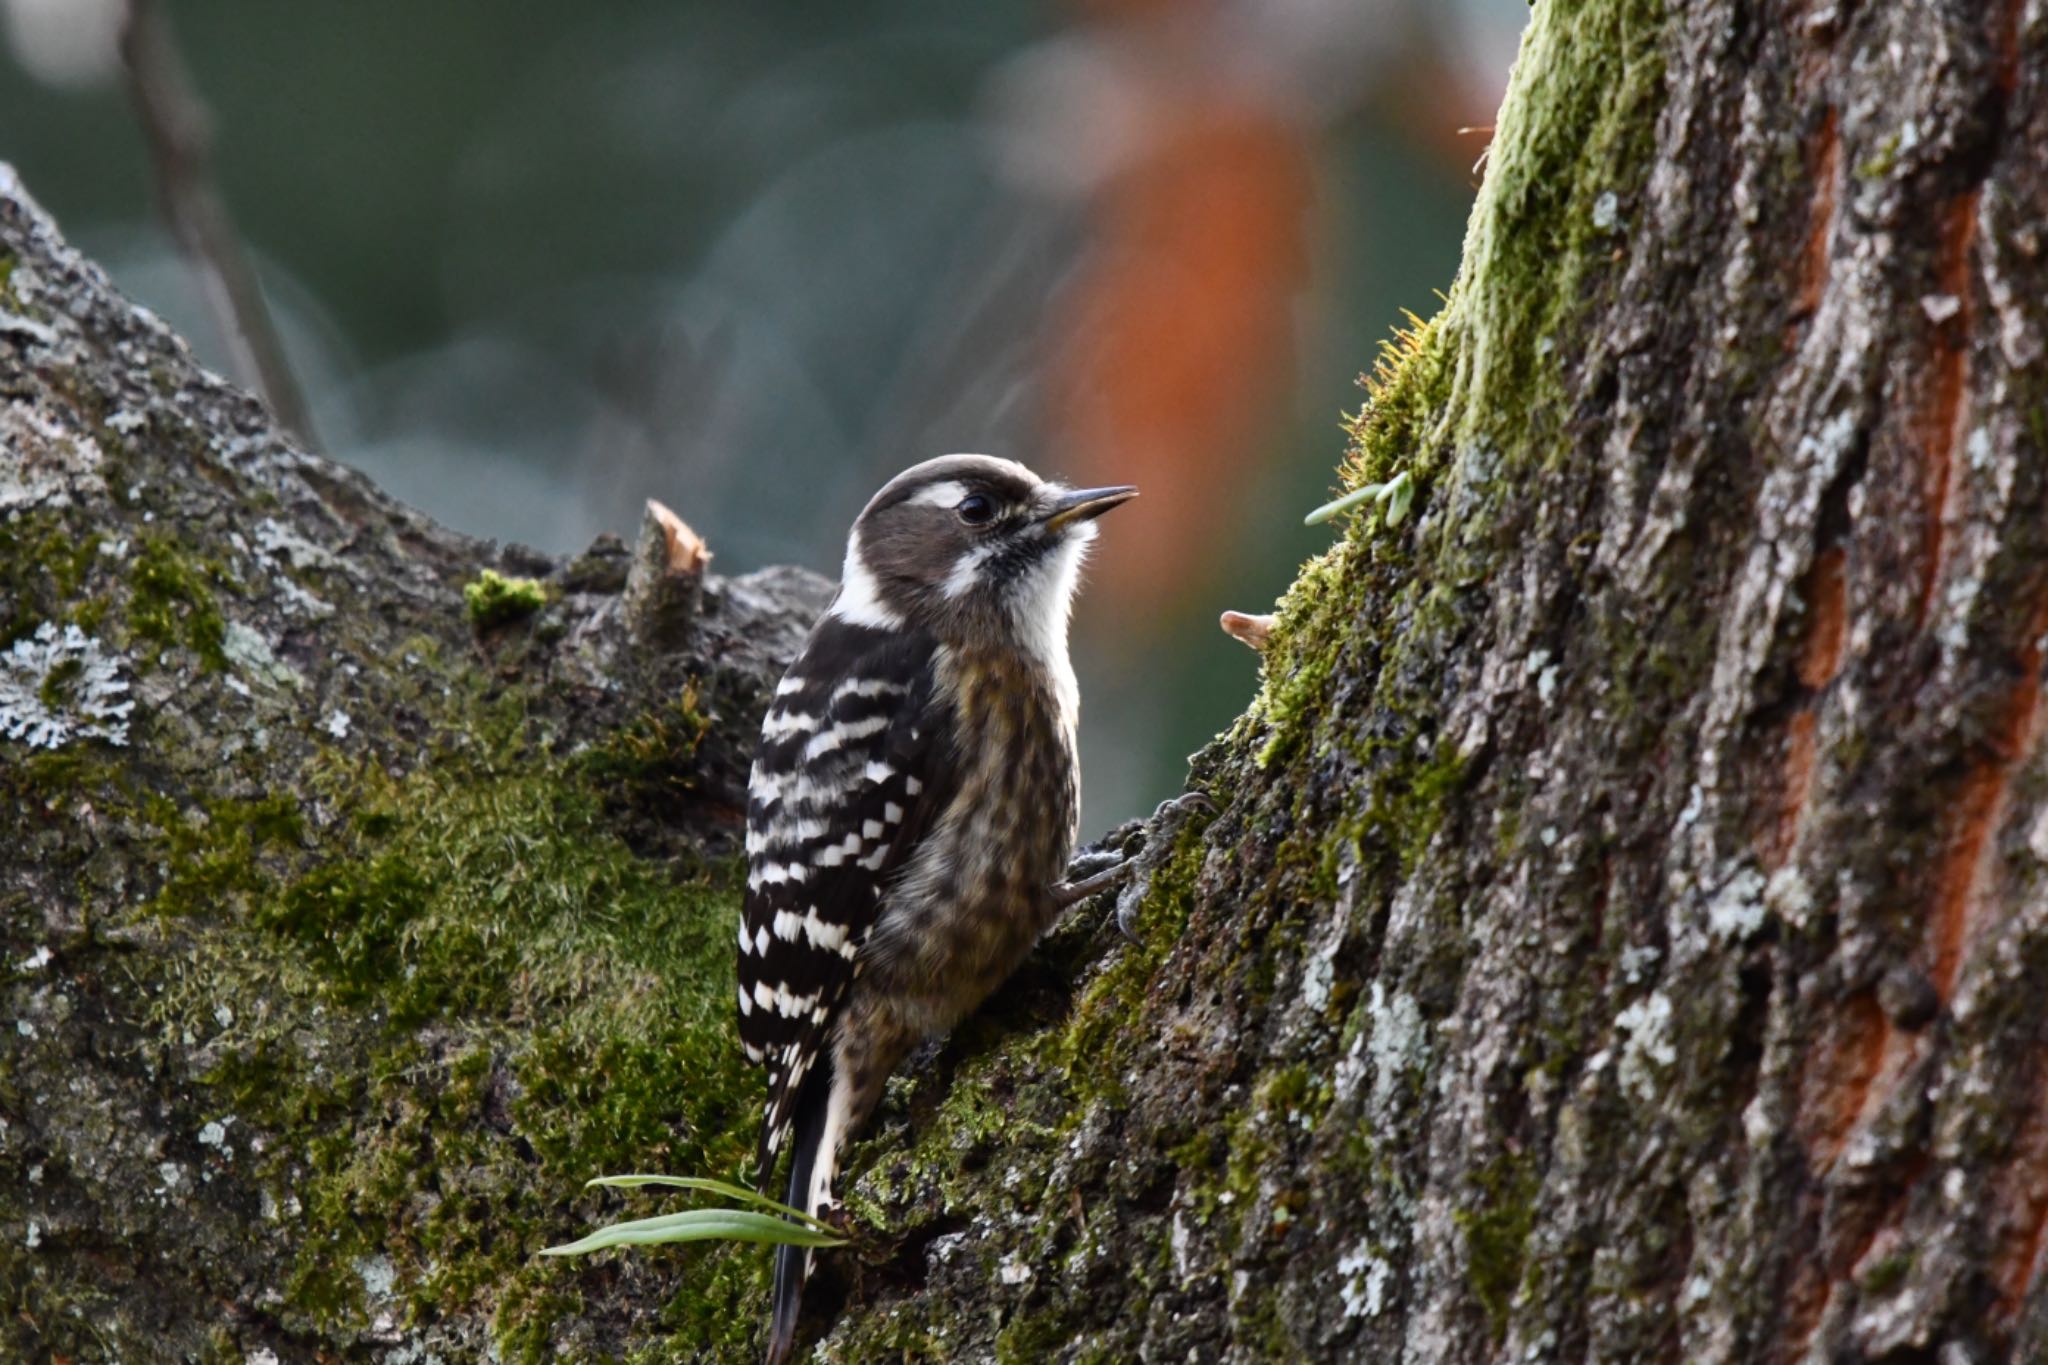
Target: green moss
[(492, 599), (213, 856), (652, 758), (42, 567), (1496, 1227), (1578, 123), (172, 602), (1888, 1274), (511, 1000), (1101, 1016), (1883, 161)]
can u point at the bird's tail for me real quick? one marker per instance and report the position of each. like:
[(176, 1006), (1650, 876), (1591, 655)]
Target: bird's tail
[(813, 1158)]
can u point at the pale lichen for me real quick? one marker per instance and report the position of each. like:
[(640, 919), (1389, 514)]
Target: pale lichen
[(57, 687)]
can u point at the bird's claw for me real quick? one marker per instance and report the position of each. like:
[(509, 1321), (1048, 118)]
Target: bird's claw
[(1093, 883), (1170, 811), (1187, 803)]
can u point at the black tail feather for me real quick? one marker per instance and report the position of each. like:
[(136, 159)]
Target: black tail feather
[(792, 1264)]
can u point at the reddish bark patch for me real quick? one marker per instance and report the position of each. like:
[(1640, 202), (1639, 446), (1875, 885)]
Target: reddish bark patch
[(2005, 47), (1979, 808), (1824, 158), (2016, 1263), (1820, 659), (1827, 619), (1834, 1093), (1801, 747), (1943, 408), (1837, 1083)]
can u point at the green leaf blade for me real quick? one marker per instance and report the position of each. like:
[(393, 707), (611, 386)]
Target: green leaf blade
[(1344, 504), (706, 1185), (699, 1225)]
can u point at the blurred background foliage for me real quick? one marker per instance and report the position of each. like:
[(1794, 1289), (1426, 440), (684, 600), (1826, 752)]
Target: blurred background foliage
[(534, 263)]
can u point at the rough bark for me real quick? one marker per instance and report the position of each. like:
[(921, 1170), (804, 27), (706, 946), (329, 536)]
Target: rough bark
[(348, 922), (1620, 935)]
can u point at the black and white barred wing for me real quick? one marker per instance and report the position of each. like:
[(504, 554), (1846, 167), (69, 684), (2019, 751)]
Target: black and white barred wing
[(842, 788)]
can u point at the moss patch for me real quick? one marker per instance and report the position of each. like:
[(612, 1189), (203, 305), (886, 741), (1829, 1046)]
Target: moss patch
[(492, 598), (1496, 1225), (529, 1003), (173, 601)]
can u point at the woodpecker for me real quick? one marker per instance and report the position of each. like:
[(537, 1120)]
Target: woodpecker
[(912, 805)]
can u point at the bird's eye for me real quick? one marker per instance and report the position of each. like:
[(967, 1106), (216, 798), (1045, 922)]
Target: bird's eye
[(976, 509)]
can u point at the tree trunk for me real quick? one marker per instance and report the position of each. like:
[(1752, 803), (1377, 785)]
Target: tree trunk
[(1619, 937)]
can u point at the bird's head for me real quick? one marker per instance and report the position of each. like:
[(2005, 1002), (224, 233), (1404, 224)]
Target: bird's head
[(973, 549)]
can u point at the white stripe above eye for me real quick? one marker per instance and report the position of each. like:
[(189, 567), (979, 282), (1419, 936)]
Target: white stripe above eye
[(946, 493)]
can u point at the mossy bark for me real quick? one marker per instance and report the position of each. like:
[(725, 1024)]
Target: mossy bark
[(349, 920), (1618, 936)]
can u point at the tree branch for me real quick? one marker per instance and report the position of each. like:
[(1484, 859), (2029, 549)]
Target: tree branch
[(180, 135)]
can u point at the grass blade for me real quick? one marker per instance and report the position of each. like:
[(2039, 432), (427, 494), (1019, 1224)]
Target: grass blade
[(1343, 504), (1398, 498), (700, 1225), (706, 1185)]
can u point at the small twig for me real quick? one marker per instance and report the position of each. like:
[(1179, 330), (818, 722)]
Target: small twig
[(180, 136), (1247, 629)]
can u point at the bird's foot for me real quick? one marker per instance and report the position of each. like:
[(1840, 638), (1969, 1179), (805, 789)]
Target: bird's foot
[(1165, 820), (1099, 872)]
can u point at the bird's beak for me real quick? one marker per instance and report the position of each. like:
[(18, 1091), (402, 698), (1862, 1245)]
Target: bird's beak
[(1086, 504)]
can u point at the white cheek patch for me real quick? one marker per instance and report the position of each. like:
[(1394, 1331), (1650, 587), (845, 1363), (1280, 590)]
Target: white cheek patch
[(859, 602), (1040, 606), (967, 571)]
